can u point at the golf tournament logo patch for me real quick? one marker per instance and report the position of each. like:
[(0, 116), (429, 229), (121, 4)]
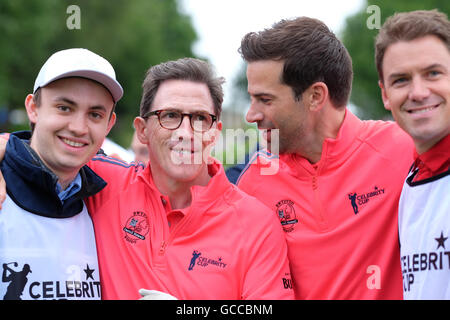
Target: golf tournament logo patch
[(357, 200), (286, 213), (202, 261), (136, 227)]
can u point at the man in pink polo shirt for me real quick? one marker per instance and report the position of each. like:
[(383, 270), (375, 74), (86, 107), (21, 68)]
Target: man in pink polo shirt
[(413, 62), (336, 182), (179, 226)]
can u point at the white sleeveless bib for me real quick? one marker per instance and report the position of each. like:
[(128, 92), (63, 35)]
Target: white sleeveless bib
[(424, 230), (47, 258)]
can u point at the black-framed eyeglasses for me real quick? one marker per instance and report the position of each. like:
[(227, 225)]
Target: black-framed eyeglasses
[(171, 119)]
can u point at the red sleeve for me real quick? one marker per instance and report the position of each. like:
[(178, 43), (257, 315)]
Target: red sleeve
[(118, 175)]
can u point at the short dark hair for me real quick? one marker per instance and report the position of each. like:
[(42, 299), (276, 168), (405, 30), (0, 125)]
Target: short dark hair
[(407, 26), (311, 53), (190, 69)]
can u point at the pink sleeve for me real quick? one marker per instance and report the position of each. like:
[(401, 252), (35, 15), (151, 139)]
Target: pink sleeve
[(268, 275), (118, 175)]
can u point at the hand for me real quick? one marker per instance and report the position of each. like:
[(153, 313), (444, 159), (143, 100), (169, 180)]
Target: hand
[(155, 295)]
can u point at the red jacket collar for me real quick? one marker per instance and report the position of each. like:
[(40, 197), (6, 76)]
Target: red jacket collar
[(433, 161)]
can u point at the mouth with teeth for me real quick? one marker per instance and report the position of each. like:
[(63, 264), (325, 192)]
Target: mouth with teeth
[(73, 143), (185, 156), (422, 110), (184, 152)]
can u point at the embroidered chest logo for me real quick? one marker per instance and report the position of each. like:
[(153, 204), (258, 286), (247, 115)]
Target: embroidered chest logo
[(357, 200), (286, 213), (202, 261), (136, 227)]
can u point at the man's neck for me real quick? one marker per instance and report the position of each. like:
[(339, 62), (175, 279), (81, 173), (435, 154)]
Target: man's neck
[(65, 181), (179, 192), (327, 126), (424, 146)]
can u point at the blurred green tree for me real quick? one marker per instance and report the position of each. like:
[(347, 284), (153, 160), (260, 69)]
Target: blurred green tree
[(359, 39), (132, 35)]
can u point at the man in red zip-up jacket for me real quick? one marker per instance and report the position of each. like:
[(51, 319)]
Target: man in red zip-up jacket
[(336, 183), (179, 226)]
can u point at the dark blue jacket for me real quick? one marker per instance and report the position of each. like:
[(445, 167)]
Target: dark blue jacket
[(32, 186)]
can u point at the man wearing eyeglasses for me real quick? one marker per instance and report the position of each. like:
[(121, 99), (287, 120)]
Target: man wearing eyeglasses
[(179, 226)]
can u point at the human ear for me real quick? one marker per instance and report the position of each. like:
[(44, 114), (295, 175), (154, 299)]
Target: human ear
[(140, 125), (317, 95), (31, 107), (111, 122), (384, 95)]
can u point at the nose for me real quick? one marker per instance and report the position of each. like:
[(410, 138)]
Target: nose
[(418, 90), (185, 122), (78, 124), (184, 132), (253, 113)]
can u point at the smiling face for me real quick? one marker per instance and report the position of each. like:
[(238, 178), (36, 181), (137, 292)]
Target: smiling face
[(273, 106), (416, 88), (71, 122), (178, 155)]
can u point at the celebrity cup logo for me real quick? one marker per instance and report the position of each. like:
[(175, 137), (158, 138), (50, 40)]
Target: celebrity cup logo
[(204, 261), (359, 199)]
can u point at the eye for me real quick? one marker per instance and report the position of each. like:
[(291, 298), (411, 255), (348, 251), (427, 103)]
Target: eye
[(399, 81), (63, 108), (199, 117), (434, 73), (265, 100), (96, 115), (170, 115)]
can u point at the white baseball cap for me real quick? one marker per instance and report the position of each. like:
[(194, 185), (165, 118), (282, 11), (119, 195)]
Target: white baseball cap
[(79, 62)]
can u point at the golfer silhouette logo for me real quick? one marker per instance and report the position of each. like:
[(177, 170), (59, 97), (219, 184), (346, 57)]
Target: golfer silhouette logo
[(352, 197), (18, 280), (195, 255)]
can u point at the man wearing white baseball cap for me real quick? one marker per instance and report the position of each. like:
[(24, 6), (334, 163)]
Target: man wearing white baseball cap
[(44, 222), (82, 63)]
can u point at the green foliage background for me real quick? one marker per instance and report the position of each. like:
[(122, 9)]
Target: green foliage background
[(132, 35)]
